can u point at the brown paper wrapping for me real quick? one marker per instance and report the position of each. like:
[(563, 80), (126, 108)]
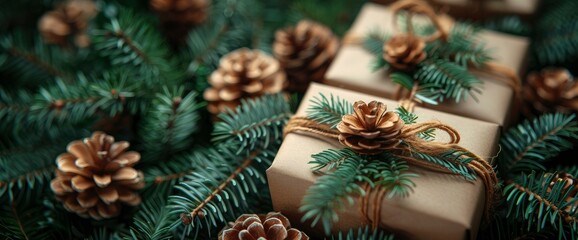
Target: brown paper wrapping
[(351, 69), (442, 206), (469, 9)]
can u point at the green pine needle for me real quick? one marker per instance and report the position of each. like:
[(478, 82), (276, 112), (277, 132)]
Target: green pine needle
[(363, 233), (442, 79), (527, 146), (328, 110)]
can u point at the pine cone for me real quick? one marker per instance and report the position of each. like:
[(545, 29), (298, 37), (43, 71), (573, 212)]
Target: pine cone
[(404, 52), (67, 20), (243, 73), (305, 52), (188, 12), (271, 226), (552, 90), (96, 175), (370, 129)]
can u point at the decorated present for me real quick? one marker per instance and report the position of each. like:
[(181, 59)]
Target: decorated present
[(408, 182), (482, 9), (458, 69)]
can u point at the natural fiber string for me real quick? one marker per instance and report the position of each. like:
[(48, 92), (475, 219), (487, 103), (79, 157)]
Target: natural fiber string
[(409, 134)]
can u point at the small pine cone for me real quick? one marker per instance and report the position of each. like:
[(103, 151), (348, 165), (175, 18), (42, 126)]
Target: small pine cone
[(305, 52), (243, 73), (404, 52), (552, 90), (67, 20), (371, 129), (96, 175), (187, 12), (271, 226)]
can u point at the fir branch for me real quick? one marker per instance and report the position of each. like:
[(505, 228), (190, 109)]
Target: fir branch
[(153, 221), (393, 176), (463, 48), (20, 220), (532, 199), (330, 192), (31, 62), (331, 159), (208, 197), (455, 161), (255, 123), (411, 118), (441, 80), (131, 41), (363, 233), (529, 145), (169, 124), (328, 110), (374, 42)]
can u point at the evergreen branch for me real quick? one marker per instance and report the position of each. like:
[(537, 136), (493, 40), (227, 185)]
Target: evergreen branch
[(210, 196), (374, 42), (441, 80), (533, 199), (411, 118), (454, 161), (463, 48), (153, 221), (328, 110), (392, 175), (527, 146), (169, 124), (331, 191), (331, 159), (363, 233), (130, 40), (19, 220), (255, 123)]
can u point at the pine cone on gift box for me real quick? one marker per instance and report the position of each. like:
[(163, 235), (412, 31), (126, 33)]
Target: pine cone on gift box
[(69, 19), (404, 52), (243, 73), (96, 176), (271, 226), (305, 51), (552, 90), (371, 129)]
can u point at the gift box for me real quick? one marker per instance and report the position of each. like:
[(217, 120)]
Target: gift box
[(351, 69), (482, 9), (442, 206)]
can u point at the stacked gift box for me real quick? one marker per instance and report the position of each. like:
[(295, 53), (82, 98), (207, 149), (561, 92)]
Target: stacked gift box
[(442, 206)]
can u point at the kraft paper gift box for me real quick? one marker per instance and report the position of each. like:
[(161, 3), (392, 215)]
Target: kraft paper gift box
[(482, 9), (351, 69), (442, 206)]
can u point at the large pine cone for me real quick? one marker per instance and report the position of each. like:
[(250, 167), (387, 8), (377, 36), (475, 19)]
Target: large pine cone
[(404, 52), (252, 227), (371, 129), (552, 90), (193, 12), (69, 19), (305, 52), (96, 175), (243, 73)]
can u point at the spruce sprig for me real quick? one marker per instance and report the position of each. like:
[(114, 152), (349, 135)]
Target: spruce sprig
[(532, 199), (328, 110), (529, 145), (363, 233)]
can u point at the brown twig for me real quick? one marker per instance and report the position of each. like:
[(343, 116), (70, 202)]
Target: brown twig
[(561, 212)]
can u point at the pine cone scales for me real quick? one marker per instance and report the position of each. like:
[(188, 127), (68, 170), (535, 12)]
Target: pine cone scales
[(404, 52), (182, 11), (96, 175), (552, 90), (242, 74), (273, 226), (67, 20), (305, 52), (371, 129)]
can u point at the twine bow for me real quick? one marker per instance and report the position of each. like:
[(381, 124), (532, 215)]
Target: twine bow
[(408, 134)]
